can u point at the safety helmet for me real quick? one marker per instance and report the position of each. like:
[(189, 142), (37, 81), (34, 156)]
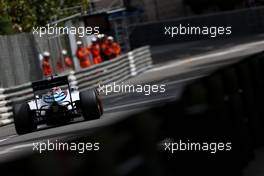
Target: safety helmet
[(79, 43), (46, 54), (99, 36), (94, 40), (64, 52), (110, 38)]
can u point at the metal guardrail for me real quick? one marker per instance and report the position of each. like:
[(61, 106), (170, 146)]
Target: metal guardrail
[(117, 70)]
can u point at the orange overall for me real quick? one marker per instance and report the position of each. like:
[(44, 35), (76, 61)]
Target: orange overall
[(68, 62), (83, 54), (116, 49), (108, 51), (95, 50), (47, 71)]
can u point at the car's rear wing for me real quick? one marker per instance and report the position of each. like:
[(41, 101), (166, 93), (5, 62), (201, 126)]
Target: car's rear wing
[(50, 83)]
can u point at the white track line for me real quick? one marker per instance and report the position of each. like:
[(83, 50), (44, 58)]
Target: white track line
[(2, 140)]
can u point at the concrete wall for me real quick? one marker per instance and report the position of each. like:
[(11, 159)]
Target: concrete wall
[(19, 61), (243, 22)]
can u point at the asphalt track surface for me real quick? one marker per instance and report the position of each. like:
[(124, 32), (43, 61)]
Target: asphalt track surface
[(174, 74)]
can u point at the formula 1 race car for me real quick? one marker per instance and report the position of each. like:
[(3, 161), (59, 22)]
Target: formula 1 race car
[(55, 103)]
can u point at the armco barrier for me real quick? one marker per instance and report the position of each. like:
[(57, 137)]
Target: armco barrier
[(12, 95), (117, 70)]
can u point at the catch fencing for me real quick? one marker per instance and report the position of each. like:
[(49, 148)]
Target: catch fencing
[(19, 60), (117, 70)]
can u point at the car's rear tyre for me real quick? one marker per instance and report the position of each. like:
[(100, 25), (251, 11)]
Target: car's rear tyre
[(23, 119), (91, 105)]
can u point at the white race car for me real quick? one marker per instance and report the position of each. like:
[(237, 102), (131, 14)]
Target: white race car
[(55, 103)]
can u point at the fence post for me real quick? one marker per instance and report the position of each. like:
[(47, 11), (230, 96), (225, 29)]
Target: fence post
[(132, 64), (72, 80), (2, 90)]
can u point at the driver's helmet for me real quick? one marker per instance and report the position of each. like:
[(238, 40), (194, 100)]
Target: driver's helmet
[(55, 94)]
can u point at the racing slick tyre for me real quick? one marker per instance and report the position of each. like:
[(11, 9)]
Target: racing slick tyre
[(22, 119), (91, 105)]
